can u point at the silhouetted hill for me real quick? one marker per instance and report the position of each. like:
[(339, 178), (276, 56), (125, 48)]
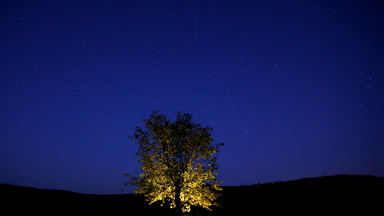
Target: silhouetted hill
[(330, 194), (58, 202)]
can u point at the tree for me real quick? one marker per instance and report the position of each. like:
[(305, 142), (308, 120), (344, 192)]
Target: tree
[(178, 162)]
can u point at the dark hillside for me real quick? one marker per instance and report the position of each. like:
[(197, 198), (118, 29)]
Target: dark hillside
[(21, 200), (341, 193), (330, 194)]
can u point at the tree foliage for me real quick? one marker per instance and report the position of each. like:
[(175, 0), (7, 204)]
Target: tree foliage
[(178, 162)]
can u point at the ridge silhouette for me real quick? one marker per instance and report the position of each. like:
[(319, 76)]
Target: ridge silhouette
[(328, 194)]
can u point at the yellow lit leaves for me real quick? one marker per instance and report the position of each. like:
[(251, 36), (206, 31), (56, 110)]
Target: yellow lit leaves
[(155, 185), (178, 160)]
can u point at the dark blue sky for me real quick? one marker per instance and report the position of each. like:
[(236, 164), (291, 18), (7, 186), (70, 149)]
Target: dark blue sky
[(293, 88)]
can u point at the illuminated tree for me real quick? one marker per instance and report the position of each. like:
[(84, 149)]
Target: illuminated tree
[(178, 163)]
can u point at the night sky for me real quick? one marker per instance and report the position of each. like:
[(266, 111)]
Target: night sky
[(293, 88)]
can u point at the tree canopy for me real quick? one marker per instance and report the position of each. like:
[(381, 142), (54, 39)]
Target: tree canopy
[(178, 162)]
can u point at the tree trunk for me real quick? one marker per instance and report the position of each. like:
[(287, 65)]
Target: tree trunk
[(178, 210)]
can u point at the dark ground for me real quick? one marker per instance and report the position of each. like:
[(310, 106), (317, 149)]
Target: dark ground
[(341, 194)]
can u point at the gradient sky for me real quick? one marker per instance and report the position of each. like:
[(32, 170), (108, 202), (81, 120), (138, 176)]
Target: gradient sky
[(293, 88)]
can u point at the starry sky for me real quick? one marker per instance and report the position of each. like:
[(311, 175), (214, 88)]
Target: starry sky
[(293, 88)]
